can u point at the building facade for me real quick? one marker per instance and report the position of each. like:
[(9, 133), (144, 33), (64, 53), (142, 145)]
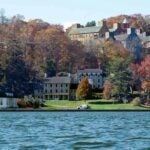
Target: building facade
[(95, 77), (85, 34), (56, 88), (131, 38), (8, 102)]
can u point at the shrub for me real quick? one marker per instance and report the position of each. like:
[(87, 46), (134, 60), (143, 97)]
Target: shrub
[(21, 103), (36, 103), (136, 101)]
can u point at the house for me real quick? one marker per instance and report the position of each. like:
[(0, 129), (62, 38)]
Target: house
[(56, 88), (95, 77), (85, 34), (120, 28), (134, 41), (38, 90), (6, 102), (64, 86), (131, 38)]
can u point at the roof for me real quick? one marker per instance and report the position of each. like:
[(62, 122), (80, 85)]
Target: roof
[(121, 37), (93, 29), (90, 71), (111, 29), (57, 80), (125, 20), (144, 38)]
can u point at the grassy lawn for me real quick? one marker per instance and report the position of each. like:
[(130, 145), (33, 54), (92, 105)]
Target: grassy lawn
[(94, 105)]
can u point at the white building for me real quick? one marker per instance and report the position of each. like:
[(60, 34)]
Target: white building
[(95, 77), (8, 102)]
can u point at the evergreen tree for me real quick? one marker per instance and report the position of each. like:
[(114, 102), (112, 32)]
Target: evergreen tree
[(120, 77)]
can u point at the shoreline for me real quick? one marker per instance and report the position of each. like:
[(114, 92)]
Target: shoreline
[(73, 110)]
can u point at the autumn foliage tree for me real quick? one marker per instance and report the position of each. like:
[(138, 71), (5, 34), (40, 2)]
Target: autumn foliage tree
[(107, 89), (114, 49), (143, 72), (84, 90)]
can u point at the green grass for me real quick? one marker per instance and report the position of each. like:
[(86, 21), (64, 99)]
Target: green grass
[(94, 105)]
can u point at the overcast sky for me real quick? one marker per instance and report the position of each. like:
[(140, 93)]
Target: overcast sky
[(71, 11)]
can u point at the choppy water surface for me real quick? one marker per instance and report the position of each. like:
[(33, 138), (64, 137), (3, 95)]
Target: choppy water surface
[(74, 130)]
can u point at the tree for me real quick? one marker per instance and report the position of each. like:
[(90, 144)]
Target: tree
[(3, 18), (114, 49), (84, 90), (121, 77), (107, 90), (90, 60), (143, 72), (90, 24), (77, 54), (49, 67), (17, 73), (109, 52)]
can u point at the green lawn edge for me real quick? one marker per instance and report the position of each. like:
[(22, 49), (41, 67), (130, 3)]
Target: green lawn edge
[(94, 105)]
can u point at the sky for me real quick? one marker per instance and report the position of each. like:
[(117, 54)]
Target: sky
[(66, 12)]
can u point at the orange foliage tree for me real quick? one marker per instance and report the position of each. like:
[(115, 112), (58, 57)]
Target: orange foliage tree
[(84, 90)]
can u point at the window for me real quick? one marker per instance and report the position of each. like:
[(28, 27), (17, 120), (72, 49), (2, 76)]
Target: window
[(56, 90), (95, 36), (46, 97), (45, 85)]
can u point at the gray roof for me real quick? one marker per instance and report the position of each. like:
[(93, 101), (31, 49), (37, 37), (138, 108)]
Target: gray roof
[(90, 71), (57, 80), (111, 29), (94, 29), (144, 38), (121, 37)]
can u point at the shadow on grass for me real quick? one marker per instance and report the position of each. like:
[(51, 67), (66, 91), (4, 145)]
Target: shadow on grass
[(49, 107), (104, 102), (145, 106)]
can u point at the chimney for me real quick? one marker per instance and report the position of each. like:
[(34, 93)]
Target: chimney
[(45, 75), (102, 23), (76, 25)]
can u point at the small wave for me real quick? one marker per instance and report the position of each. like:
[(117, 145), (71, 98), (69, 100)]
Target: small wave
[(93, 144)]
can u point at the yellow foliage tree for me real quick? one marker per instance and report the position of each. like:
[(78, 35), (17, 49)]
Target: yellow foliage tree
[(84, 90)]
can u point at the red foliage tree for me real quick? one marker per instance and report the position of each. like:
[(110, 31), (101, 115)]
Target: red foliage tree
[(143, 72)]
